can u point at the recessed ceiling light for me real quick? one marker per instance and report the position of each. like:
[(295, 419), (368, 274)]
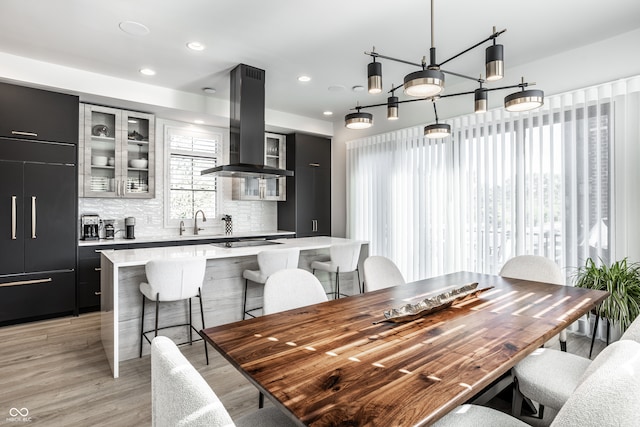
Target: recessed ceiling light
[(195, 46), (304, 79), (209, 90), (198, 122), (328, 113), (147, 72), (134, 28), (358, 88)]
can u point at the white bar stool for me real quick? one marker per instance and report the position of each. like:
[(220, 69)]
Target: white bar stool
[(343, 259), (269, 262), (173, 279)]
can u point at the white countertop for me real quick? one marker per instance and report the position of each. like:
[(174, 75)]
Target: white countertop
[(133, 257), (185, 237)]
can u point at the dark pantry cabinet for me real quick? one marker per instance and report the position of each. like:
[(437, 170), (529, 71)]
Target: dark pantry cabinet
[(307, 210), (38, 204)]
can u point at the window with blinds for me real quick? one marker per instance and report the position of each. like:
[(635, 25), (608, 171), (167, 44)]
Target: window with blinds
[(189, 153)]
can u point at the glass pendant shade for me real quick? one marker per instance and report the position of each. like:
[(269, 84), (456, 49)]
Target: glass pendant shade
[(524, 100), (494, 60), (480, 100), (392, 108), (374, 73), (424, 83), (437, 130), (358, 120)]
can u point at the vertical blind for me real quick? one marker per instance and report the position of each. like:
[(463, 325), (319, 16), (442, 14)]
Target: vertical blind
[(502, 185)]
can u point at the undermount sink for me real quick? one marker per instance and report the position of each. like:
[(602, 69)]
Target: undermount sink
[(245, 243)]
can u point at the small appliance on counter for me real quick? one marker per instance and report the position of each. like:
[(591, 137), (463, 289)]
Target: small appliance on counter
[(129, 224), (90, 226), (109, 228)]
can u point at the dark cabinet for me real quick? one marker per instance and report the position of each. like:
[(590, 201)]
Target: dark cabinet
[(307, 210), (36, 295), (38, 114), (38, 214), (38, 203), (89, 276)]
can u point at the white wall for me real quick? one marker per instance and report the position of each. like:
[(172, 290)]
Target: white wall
[(600, 62)]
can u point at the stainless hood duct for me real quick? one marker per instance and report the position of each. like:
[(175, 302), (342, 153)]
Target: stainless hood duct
[(246, 129)]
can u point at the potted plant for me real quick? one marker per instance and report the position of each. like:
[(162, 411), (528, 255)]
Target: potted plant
[(622, 281)]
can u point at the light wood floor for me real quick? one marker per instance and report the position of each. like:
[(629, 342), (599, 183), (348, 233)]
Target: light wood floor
[(58, 370)]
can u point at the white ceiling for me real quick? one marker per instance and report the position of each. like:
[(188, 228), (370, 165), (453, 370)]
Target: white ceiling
[(324, 39)]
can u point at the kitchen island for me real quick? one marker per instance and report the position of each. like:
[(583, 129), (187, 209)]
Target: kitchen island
[(123, 270)]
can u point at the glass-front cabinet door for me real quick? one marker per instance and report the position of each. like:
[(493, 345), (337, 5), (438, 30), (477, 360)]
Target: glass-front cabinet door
[(138, 175), (265, 189), (116, 153)]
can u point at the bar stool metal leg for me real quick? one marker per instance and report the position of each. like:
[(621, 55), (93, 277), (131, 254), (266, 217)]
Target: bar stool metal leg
[(142, 326), (244, 305), (190, 327), (206, 350), (157, 312)]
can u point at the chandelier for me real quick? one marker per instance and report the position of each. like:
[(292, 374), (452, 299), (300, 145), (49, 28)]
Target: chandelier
[(428, 83)]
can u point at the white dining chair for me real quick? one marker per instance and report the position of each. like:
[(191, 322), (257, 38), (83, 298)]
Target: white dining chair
[(343, 258), (293, 288), (181, 397), (173, 279), (633, 331), (538, 269), (380, 273), (608, 394), (269, 261), (549, 376)]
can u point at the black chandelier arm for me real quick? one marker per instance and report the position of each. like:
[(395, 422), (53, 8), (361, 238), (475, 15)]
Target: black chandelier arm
[(377, 55), (475, 79), (422, 65), (449, 95), (491, 37)]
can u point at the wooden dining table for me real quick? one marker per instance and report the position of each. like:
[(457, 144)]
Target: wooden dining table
[(336, 364)]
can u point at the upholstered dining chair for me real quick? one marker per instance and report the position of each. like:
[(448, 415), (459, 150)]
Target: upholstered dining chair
[(343, 259), (292, 288), (269, 261), (289, 289), (380, 272), (549, 376), (633, 331), (608, 394), (173, 279), (539, 269), (181, 397)]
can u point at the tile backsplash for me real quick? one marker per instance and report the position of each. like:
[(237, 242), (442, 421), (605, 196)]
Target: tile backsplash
[(247, 216)]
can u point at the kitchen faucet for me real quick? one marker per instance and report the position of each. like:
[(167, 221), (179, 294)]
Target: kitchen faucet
[(195, 221)]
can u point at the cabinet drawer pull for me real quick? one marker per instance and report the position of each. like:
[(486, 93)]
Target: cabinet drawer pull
[(97, 269), (33, 217), (97, 293), (13, 217), (27, 282), (18, 132), (315, 165)]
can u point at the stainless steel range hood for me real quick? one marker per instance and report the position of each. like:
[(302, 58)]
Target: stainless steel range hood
[(246, 145)]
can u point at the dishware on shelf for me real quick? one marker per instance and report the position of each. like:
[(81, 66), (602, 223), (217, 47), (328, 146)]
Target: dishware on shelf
[(100, 130), (100, 183), (99, 160), (138, 163), (111, 161)]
